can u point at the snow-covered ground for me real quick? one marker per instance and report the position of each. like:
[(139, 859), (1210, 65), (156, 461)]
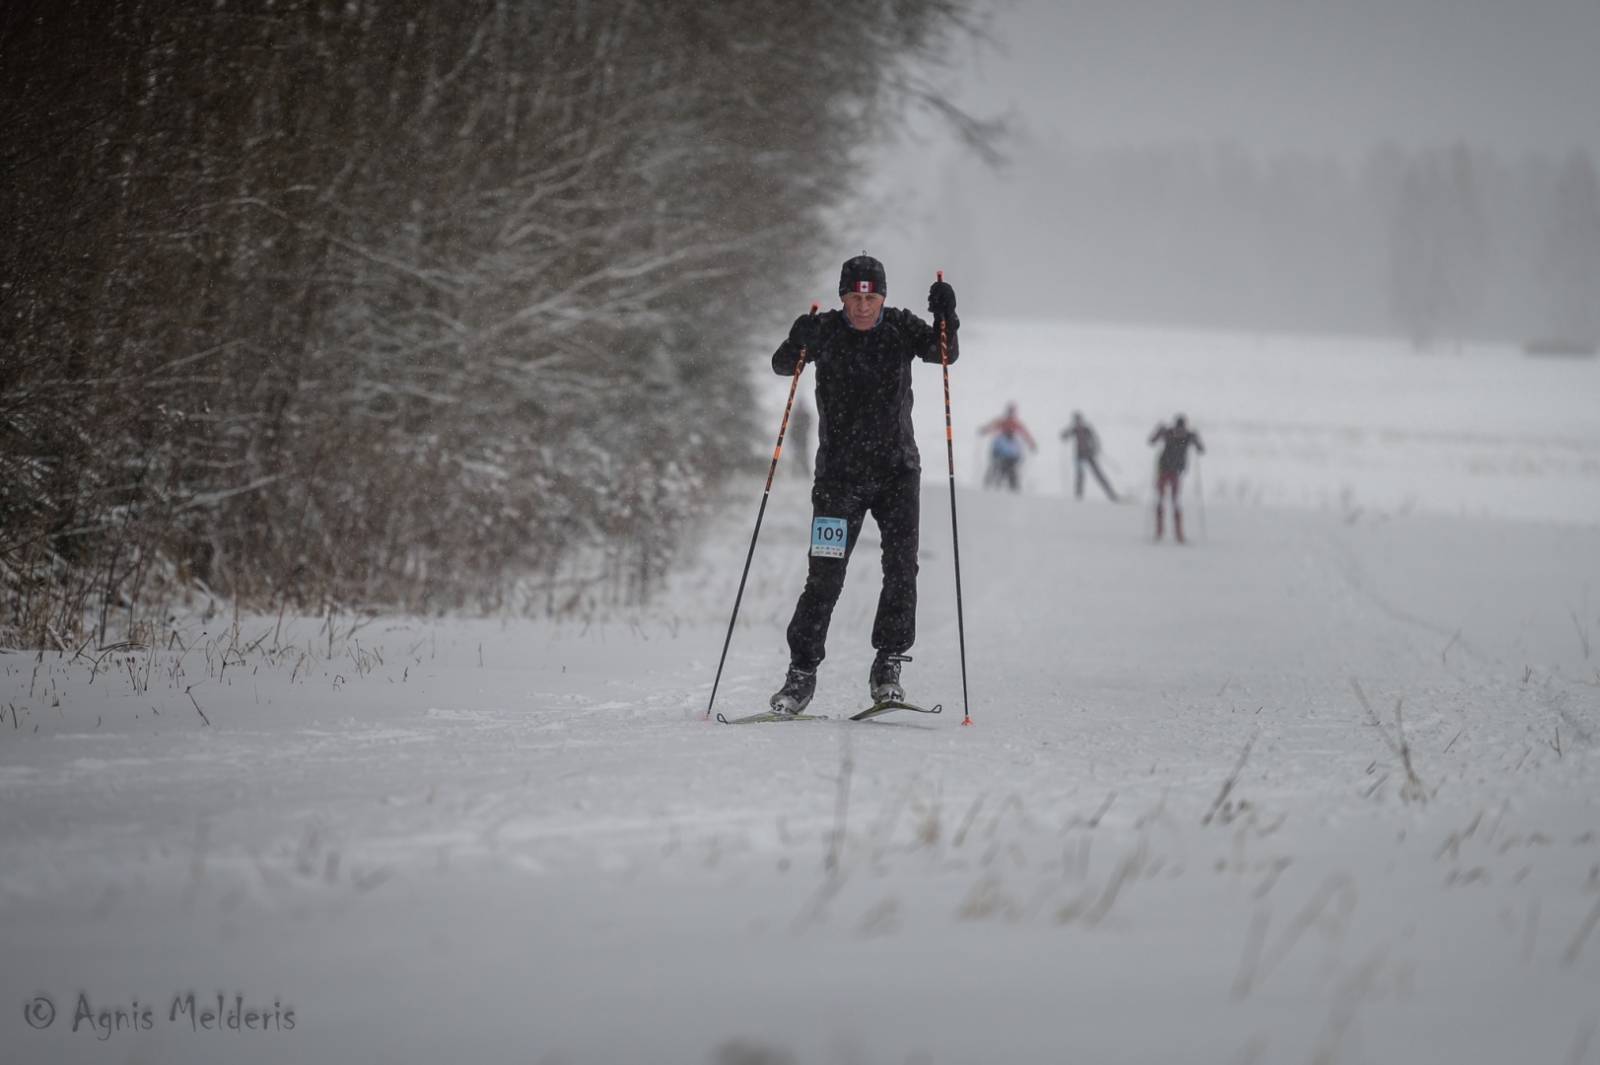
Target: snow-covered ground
[(1172, 833), (1329, 423)]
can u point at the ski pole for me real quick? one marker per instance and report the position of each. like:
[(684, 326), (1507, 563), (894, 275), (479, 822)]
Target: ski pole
[(955, 539), (794, 383), (1153, 515), (1200, 499)]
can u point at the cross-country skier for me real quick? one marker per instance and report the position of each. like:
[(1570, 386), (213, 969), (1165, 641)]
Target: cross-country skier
[(1005, 453), (866, 460), (1085, 452), (1174, 459)]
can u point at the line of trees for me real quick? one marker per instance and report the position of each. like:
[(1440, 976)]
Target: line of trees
[(1436, 244), (419, 305), (1464, 226)]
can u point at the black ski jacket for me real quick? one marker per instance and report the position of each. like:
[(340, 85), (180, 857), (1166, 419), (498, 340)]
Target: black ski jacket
[(863, 391), (1085, 444), (1175, 444)]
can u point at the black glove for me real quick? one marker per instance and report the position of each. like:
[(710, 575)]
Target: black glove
[(941, 300), (806, 333)]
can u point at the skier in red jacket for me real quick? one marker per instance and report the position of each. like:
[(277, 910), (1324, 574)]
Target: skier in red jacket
[(1005, 454)]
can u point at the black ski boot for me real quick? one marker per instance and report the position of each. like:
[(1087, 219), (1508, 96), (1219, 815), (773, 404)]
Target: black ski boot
[(799, 685), (885, 678)]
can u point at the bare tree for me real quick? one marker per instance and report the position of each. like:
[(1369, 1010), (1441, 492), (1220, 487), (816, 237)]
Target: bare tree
[(417, 305), (1439, 250), (1570, 267)]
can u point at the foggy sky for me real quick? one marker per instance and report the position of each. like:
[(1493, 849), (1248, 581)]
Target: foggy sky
[(1067, 229), (1513, 75)]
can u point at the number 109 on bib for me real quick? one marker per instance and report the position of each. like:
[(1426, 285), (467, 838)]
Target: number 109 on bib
[(828, 537)]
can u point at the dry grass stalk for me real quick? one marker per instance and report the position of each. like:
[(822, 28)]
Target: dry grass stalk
[(1227, 785), (1413, 790)]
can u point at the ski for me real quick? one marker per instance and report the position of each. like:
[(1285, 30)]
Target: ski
[(880, 708), (770, 715)]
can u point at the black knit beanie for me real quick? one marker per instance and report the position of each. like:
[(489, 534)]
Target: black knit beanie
[(863, 274)]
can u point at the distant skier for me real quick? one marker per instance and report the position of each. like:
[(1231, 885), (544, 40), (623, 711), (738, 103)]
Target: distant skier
[(866, 460), (1174, 459), (1085, 452), (1005, 453)]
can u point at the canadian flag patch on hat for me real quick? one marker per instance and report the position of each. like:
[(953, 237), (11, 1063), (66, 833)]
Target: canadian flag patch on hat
[(865, 275)]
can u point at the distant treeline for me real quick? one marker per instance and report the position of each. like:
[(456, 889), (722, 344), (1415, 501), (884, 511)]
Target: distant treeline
[(1436, 244), (417, 305)]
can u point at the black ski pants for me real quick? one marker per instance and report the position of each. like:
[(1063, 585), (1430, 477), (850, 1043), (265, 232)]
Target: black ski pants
[(895, 500)]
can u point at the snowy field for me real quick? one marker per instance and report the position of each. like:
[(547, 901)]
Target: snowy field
[(1329, 423), (1173, 833)]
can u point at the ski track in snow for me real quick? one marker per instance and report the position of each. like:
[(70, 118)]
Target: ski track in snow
[(1173, 833)]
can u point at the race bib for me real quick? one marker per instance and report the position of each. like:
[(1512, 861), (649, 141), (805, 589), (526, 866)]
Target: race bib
[(828, 537)]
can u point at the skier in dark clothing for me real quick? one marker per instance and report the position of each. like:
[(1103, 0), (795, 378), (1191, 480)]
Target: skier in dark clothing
[(1174, 459), (1085, 452), (866, 460)]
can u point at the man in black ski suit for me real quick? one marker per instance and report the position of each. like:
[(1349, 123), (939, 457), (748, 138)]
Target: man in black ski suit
[(1175, 441), (867, 460)]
